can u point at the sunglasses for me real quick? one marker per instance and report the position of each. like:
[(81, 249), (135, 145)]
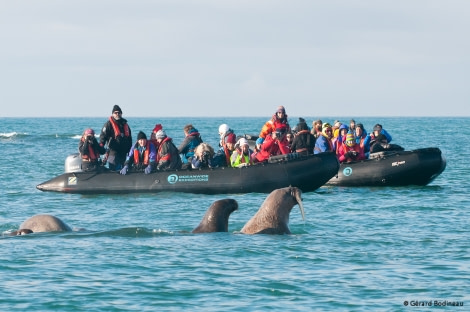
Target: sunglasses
[(119, 113)]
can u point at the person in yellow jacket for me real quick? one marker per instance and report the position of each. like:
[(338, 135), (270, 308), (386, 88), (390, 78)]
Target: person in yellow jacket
[(241, 156)]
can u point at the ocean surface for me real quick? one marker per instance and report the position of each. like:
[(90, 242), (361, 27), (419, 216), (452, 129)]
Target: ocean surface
[(359, 249)]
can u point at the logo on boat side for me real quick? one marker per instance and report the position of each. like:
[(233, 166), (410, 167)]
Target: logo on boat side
[(173, 178), (72, 181), (398, 163), (347, 171)]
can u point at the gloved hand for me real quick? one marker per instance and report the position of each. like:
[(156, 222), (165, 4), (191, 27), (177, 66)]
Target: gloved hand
[(148, 169), (124, 170), (105, 159)]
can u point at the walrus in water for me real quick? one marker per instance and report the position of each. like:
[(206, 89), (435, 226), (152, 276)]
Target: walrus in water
[(216, 217), (273, 215), (41, 223)]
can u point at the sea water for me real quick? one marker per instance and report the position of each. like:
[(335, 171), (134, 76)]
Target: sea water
[(359, 249)]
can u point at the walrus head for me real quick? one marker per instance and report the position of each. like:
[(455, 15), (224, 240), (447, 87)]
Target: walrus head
[(216, 217), (273, 215)]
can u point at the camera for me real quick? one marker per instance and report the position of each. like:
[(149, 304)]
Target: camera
[(278, 134)]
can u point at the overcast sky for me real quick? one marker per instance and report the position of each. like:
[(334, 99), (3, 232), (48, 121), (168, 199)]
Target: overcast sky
[(234, 58)]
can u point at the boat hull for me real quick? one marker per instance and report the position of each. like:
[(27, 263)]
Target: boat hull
[(395, 168), (308, 174)]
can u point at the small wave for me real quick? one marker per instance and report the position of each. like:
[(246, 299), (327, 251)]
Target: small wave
[(130, 232), (10, 135)]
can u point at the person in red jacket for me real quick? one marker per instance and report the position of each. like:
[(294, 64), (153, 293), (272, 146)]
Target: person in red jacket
[(274, 144), (350, 151)]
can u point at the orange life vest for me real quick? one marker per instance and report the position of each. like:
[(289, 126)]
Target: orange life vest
[(146, 154), (117, 132)]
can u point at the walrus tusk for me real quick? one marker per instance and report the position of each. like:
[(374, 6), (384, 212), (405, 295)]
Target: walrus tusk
[(301, 205)]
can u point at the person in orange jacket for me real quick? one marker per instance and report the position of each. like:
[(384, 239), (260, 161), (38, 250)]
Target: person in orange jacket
[(279, 118)]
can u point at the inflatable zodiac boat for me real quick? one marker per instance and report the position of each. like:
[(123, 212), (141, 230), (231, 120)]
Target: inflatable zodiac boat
[(388, 168), (306, 173), (392, 168)]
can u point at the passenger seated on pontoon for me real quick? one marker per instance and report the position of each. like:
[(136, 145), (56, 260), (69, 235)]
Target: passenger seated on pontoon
[(241, 156), (274, 144), (192, 139), (202, 156), (363, 139), (141, 157), (350, 151), (323, 142), (167, 154), (90, 150), (378, 129), (303, 141), (226, 148), (379, 144)]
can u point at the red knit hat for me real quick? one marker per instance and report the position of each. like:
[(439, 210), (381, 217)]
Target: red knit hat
[(157, 127), (231, 138)]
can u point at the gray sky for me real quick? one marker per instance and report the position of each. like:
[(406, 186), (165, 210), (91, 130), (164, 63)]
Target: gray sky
[(234, 58)]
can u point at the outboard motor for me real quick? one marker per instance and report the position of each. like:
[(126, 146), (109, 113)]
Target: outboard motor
[(73, 163)]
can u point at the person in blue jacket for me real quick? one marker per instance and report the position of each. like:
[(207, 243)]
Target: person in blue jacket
[(141, 157), (192, 139), (323, 142)]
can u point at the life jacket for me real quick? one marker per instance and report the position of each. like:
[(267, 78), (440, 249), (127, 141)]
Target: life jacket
[(271, 125), (242, 158), (145, 159), (330, 143), (168, 155), (361, 142), (117, 131), (92, 156)]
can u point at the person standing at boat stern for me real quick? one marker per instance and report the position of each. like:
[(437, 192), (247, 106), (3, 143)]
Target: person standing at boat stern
[(116, 137), (142, 155), (277, 120)]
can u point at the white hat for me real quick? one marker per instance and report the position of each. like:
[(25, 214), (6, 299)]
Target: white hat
[(242, 142), (223, 128), (160, 134)]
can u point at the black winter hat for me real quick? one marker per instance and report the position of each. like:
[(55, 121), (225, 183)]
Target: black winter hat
[(141, 135), (301, 126), (116, 108)]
